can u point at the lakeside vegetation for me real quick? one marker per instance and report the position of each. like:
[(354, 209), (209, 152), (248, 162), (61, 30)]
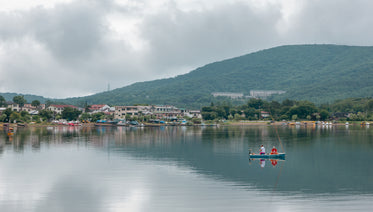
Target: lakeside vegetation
[(351, 109)]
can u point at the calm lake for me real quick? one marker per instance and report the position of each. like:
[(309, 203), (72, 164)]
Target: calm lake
[(186, 169)]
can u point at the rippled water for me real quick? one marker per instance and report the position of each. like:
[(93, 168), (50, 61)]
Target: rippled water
[(185, 169)]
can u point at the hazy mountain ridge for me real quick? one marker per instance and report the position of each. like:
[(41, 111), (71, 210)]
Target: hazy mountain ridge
[(318, 73)]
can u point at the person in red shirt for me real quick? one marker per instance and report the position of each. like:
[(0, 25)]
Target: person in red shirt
[(274, 151)]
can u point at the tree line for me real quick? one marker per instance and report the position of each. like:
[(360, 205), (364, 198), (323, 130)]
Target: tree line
[(352, 109)]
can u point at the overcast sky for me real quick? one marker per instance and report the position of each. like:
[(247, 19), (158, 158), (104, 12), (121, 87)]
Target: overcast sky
[(66, 48)]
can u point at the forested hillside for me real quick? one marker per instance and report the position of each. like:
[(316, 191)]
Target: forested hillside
[(28, 97), (317, 73)]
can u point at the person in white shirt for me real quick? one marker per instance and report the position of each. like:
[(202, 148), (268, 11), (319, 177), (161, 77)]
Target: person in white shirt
[(262, 163), (262, 150)]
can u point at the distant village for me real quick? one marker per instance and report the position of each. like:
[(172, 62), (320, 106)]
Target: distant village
[(156, 113), (105, 114), (256, 109)]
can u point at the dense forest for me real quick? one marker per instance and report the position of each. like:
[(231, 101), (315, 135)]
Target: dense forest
[(316, 73)]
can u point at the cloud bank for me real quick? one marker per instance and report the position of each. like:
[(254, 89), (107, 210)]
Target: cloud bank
[(76, 48)]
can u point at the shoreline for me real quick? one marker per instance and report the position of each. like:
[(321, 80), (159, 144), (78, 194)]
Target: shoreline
[(287, 123), (242, 123)]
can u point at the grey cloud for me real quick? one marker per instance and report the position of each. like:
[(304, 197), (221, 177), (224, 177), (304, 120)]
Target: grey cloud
[(177, 37), (68, 49), (74, 31), (70, 32), (333, 21), (65, 49)]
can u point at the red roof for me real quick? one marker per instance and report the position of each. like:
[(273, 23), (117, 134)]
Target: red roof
[(96, 107), (63, 106)]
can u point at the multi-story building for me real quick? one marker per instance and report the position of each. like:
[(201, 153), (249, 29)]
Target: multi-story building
[(228, 94), (96, 108), (26, 107), (165, 111), (122, 111), (57, 109), (159, 111), (102, 109), (193, 114), (264, 93), (40, 107), (14, 106)]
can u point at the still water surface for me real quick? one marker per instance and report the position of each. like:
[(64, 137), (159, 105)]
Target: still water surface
[(186, 169)]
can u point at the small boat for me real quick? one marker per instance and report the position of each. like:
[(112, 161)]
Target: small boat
[(110, 124), (105, 123), (269, 156)]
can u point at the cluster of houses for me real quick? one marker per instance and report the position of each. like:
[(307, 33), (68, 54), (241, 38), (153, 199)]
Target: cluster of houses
[(26, 107), (167, 112)]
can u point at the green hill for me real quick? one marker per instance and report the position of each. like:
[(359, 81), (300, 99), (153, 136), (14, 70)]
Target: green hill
[(318, 73)]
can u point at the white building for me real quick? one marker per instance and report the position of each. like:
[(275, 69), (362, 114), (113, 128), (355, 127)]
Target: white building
[(159, 111), (122, 111), (264, 93), (228, 94), (57, 109)]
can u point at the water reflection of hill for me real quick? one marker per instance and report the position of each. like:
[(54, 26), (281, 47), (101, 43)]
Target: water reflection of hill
[(318, 160), (333, 160)]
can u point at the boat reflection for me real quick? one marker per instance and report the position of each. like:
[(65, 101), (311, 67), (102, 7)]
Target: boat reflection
[(262, 161)]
